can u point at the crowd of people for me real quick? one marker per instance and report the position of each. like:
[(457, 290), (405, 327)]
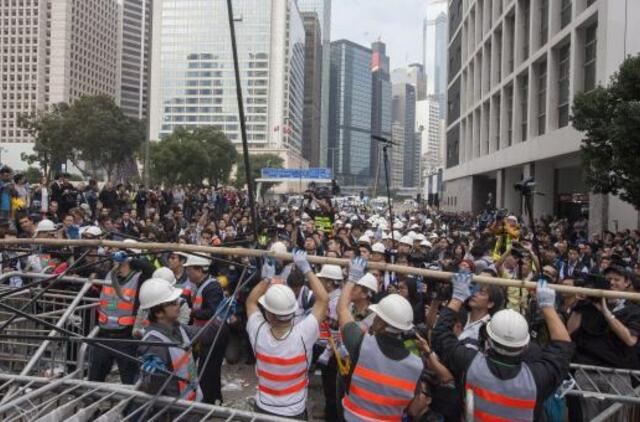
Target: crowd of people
[(389, 345)]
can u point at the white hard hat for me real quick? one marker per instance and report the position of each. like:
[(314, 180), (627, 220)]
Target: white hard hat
[(398, 225), (397, 235), (197, 261), (369, 233), (157, 291), (384, 226), (406, 240), (419, 237), (278, 248), (332, 272), (91, 231), (513, 218), (414, 226), (279, 300), (348, 226), (305, 216), (165, 274), (508, 328), (378, 247), (428, 221), (45, 225), (364, 239), (412, 235), (133, 250), (426, 243), (369, 281), (395, 311), (386, 236), (433, 236)]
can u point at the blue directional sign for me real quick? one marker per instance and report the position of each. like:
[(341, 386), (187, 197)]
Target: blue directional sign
[(312, 173)]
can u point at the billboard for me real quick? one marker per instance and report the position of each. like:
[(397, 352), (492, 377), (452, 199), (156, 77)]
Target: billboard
[(295, 174)]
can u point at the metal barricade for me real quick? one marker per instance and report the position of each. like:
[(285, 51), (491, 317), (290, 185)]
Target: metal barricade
[(28, 347)]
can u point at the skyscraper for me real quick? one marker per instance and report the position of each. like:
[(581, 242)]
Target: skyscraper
[(135, 57), (311, 148), (193, 81), (403, 113), (323, 9), (350, 114), (435, 41), (58, 51), (380, 110), (418, 79)]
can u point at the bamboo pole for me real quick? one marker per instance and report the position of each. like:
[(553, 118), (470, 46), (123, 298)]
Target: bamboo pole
[(244, 252)]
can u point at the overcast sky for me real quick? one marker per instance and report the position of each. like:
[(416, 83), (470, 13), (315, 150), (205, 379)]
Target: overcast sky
[(398, 23)]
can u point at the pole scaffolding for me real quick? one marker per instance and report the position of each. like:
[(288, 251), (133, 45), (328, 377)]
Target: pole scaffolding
[(400, 269)]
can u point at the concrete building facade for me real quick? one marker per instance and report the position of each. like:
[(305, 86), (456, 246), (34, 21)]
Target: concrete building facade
[(514, 69), (403, 112), (323, 9), (193, 80), (380, 111), (52, 52), (311, 127)]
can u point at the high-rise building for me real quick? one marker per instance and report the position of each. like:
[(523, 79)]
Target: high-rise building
[(403, 113), (380, 110), (135, 58), (431, 129), (193, 80), (435, 38), (513, 76), (52, 52), (350, 114), (311, 148), (418, 79), (397, 158), (323, 9)]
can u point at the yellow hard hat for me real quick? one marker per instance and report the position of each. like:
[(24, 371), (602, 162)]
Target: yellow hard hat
[(223, 280)]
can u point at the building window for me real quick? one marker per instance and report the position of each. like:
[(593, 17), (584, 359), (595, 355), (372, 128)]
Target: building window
[(542, 97), (524, 108), (590, 44), (563, 85), (565, 13), (544, 22), (509, 113), (526, 6)]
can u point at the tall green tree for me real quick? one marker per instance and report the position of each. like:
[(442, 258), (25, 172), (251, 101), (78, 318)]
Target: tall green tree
[(258, 162), (92, 130), (610, 119), (193, 156)]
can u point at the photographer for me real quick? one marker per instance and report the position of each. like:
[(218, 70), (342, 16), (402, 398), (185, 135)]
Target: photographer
[(605, 333), (319, 208)]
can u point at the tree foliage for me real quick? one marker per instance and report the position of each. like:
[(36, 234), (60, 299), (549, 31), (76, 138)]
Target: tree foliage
[(610, 119), (258, 162), (193, 156), (93, 130)]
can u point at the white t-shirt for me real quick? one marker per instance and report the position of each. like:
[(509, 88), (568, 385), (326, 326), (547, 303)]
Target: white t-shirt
[(304, 332)]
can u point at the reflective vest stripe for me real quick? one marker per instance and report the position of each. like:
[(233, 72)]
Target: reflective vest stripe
[(281, 361), (285, 391), (485, 417), (126, 292), (378, 398), (197, 298), (125, 306), (501, 399), (125, 321), (389, 380), (366, 414), (278, 377)]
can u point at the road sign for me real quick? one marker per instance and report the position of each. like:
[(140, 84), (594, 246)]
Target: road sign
[(294, 174)]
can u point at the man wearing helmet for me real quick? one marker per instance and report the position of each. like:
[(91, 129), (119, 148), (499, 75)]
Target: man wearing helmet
[(283, 349), (501, 382), (384, 374)]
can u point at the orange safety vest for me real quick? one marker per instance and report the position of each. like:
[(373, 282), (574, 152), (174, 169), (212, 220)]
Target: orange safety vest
[(198, 299), (113, 312), (381, 388)]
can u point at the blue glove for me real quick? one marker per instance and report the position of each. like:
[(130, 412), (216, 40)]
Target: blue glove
[(356, 269), (268, 268), (119, 256), (152, 364), (461, 285), (300, 259), (545, 295)]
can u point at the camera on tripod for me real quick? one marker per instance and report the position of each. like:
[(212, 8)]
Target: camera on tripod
[(525, 186)]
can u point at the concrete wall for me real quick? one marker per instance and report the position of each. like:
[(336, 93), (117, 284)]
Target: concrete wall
[(458, 195), (543, 202)]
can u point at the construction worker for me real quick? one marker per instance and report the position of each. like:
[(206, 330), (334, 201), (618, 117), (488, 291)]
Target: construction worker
[(162, 302), (117, 315), (332, 278), (283, 349), (142, 318), (362, 294), (205, 302), (499, 383), (176, 262), (384, 374)]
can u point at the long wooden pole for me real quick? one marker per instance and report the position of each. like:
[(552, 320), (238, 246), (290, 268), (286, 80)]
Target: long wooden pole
[(400, 269)]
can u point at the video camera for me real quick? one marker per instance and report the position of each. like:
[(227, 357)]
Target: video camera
[(525, 186)]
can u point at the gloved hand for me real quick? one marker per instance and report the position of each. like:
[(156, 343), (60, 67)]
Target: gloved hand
[(268, 268), (545, 295), (300, 259), (119, 256), (152, 364), (461, 285), (356, 268)]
